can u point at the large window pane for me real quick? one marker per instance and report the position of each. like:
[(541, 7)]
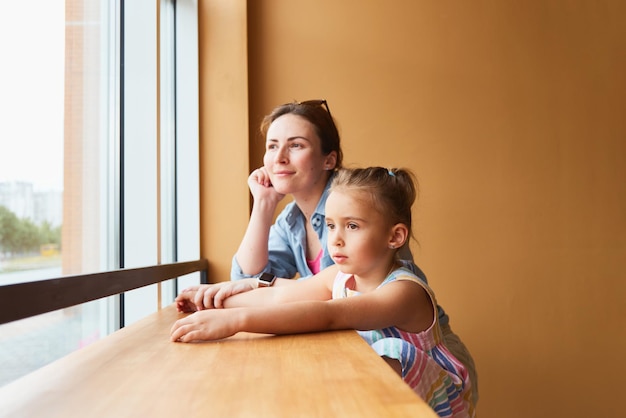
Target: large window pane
[(57, 167), (80, 180), (31, 153)]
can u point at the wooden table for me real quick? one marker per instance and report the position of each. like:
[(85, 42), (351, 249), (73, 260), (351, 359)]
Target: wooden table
[(137, 371)]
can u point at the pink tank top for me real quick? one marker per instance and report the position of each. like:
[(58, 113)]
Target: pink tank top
[(314, 265)]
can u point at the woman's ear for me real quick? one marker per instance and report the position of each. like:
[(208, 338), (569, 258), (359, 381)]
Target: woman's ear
[(330, 161), (399, 235)]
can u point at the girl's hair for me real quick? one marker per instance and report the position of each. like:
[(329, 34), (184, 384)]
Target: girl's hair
[(317, 113), (393, 191)]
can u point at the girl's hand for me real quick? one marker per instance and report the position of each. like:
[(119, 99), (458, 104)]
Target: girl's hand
[(261, 187), (204, 326)]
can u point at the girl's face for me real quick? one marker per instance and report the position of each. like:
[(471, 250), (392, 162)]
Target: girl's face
[(293, 155), (358, 234)]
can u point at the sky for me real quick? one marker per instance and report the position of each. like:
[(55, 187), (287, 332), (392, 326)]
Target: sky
[(31, 92)]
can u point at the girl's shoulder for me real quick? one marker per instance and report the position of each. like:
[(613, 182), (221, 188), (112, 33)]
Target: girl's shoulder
[(404, 273)]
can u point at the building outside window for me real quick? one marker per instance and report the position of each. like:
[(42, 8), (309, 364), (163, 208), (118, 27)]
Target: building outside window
[(67, 160)]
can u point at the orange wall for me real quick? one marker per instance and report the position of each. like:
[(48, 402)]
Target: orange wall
[(223, 101), (512, 114)]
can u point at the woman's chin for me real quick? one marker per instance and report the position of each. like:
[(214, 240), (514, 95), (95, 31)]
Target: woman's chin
[(283, 187)]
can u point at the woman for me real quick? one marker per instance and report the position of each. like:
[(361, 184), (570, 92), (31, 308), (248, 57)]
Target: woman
[(302, 153)]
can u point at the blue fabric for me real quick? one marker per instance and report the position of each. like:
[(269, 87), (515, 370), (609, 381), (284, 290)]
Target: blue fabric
[(287, 242)]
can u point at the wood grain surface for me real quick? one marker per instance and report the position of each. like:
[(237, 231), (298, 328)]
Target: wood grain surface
[(137, 371)]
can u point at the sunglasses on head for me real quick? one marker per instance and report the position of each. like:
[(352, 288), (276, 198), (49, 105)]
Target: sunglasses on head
[(318, 102)]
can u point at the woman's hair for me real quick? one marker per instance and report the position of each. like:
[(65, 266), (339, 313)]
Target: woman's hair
[(317, 113), (393, 191)]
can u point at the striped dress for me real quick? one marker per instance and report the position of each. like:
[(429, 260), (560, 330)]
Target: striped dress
[(427, 365)]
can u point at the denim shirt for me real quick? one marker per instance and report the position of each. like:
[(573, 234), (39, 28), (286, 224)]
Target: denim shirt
[(287, 246), (287, 242)]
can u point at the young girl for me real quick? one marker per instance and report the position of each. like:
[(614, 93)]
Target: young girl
[(368, 216)]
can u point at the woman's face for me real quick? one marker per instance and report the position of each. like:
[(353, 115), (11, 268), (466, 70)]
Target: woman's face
[(293, 155)]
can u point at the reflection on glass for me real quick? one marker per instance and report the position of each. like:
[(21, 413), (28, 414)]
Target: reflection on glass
[(55, 167)]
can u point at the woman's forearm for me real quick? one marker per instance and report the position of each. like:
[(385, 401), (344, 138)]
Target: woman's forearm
[(318, 287), (256, 297), (264, 296), (252, 254)]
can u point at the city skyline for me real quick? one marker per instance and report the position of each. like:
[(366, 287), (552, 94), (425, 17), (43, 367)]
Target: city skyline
[(25, 202)]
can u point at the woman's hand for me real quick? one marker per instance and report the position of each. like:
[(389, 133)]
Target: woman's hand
[(261, 187), (184, 301), (204, 326), (211, 296)]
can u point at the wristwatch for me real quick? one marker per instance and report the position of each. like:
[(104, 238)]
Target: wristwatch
[(265, 280)]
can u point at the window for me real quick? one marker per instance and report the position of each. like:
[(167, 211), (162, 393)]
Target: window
[(92, 171), (31, 154)]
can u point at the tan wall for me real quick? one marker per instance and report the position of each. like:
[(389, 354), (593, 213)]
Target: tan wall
[(224, 196), (512, 114)]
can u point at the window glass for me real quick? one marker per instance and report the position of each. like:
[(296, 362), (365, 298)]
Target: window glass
[(167, 143), (31, 157), (78, 182), (57, 167)]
